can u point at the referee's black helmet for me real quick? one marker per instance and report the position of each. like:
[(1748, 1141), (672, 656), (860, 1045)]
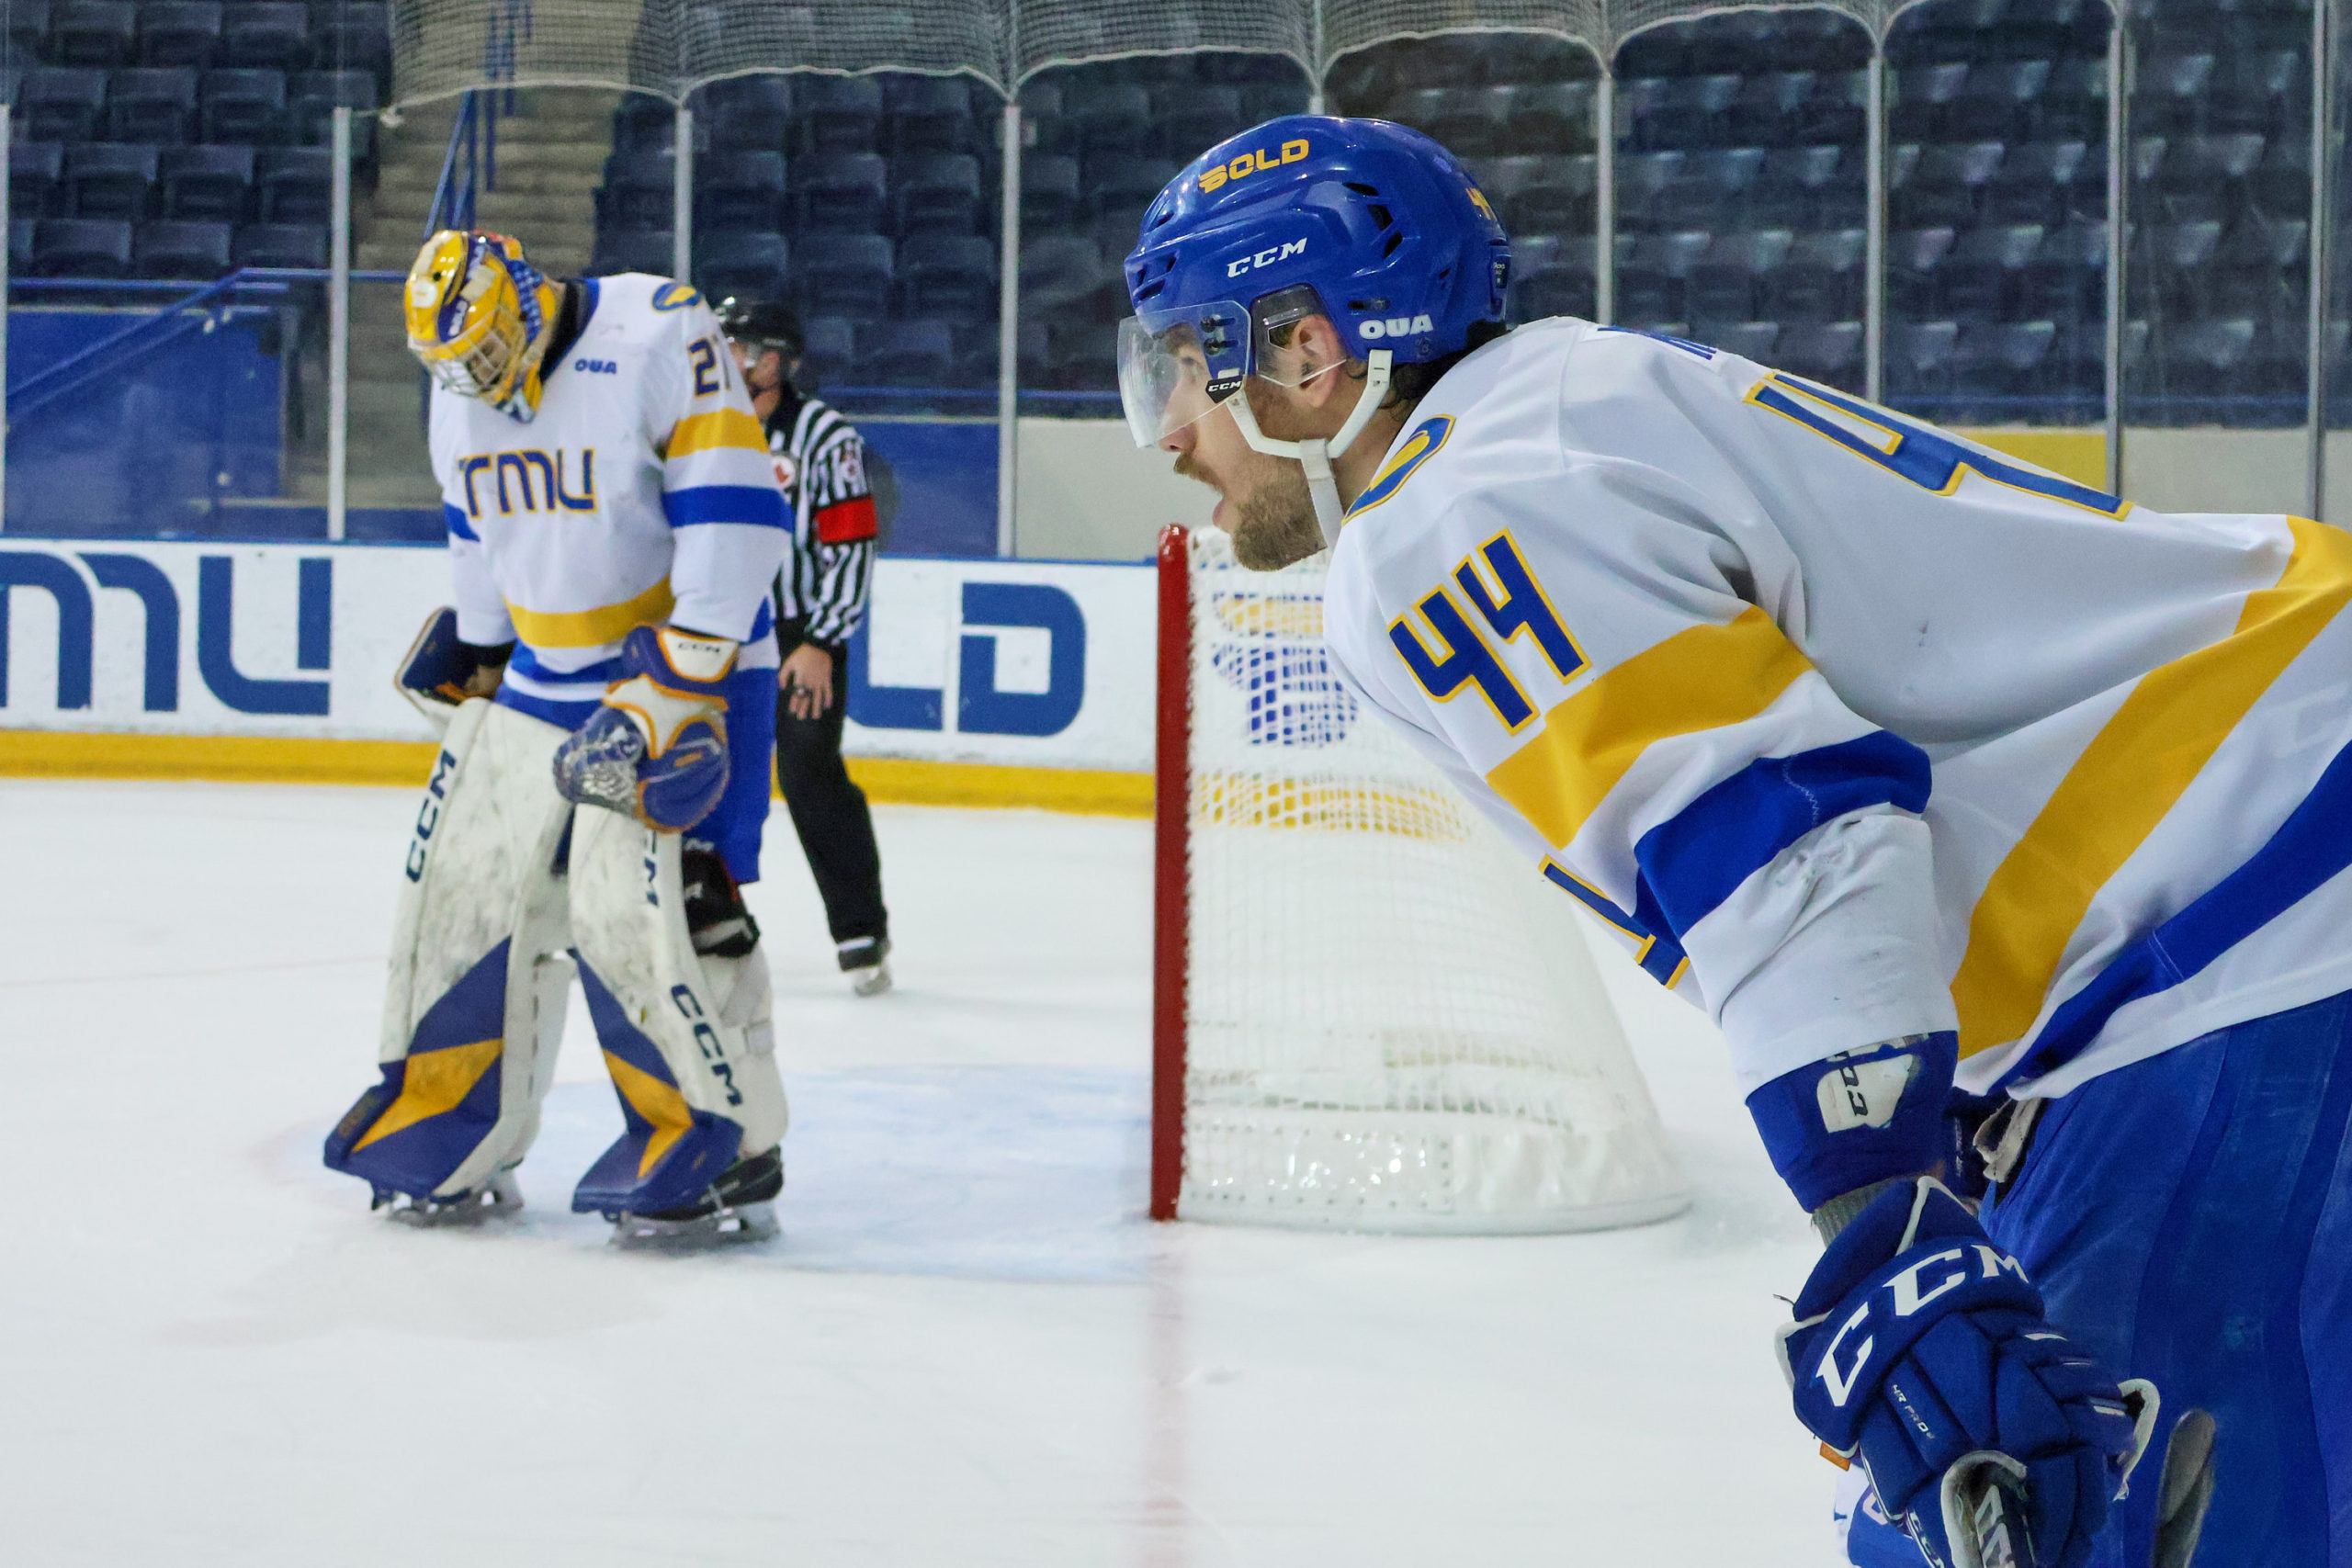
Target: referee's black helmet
[(763, 324)]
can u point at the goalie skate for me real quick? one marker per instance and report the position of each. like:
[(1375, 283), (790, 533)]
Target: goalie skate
[(498, 1199), (737, 1208)]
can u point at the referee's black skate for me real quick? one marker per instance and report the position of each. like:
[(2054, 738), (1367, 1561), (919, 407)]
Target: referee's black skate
[(866, 961), (740, 1206)]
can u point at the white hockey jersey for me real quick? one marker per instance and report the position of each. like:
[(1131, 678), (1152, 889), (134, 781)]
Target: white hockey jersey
[(1856, 728), (642, 492)]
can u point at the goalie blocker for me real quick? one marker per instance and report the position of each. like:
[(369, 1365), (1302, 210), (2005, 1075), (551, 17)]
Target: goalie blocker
[(508, 892)]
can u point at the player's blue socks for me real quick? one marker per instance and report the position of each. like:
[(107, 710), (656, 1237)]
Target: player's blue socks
[(657, 749), (1919, 1345)]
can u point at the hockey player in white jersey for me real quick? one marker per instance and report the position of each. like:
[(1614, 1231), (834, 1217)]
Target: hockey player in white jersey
[(1912, 765), (614, 525)]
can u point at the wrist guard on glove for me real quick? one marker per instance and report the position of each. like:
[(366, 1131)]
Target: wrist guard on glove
[(442, 670), (657, 750), (1922, 1346)]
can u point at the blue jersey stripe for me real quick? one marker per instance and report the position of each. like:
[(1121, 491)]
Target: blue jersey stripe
[(567, 716), (604, 671), (1699, 859), (759, 505), (1658, 955), (2310, 847), (454, 516)]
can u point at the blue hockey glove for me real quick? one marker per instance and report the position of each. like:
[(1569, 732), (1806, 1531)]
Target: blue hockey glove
[(441, 670), (1922, 1346), (657, 750)]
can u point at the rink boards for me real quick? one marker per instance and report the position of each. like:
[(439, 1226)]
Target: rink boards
[(976, 682)]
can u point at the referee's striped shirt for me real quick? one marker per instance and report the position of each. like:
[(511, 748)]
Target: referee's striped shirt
[(821, 463)]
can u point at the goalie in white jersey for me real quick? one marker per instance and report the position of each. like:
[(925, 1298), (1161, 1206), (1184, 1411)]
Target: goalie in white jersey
[(1910, 764), (614, 525)]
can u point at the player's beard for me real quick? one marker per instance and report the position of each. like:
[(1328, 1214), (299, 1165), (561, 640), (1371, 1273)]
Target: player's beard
[(1273, 522)]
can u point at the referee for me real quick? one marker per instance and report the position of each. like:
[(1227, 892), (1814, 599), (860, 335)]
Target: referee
[(820, 600)]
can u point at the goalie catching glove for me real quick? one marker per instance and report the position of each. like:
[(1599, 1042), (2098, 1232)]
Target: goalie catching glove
[(657, 750), (1922, 1346)]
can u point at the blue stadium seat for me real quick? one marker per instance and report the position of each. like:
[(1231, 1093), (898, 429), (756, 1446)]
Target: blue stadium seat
[(2170, 93), (151, 103), (1552, 117), (1945, 187), (739, 190), (1912, 255), (1529, 59), (1819, 280), (639, 191), (1654, 51), (1922, 95), (1262, 101), (1472, 121), (1734, 278), (2202, 176), (81, 247), (208, 184), (1640, 179), (2209, 358), (1997, 98), (294, 185), (33, 170), (1819, 40), (639, 249), (831, 353), (93, 32), (1549, 193), (1787, 184), (170, 248), (279, 244), (2259, 268), (1553, 275), (1046, 129), (951, 277), (1749, 340), (1082, 357), (2067, 280), (751, 265), (1982, 277), (1769, 109), (2280, 187), (643, 124), (936, 193), (1730, 41), (1049, 192), (1029, 354), (178, 32), (1649, 284), (928, 114), (2267, 92), (1711, 190), (847, 276), (264, 35), (108, 179), (1439, 62), (1836, 112), (1116, 183), (1060, 270), (1689, 112), (748, 114), (2166, 266), (20, 247), (1193, 117), (27, 35), (1110, 117), (247, 106), (311, 99), (839, 193), (907, 354), (836, 114), (2072, 105), (352, 35), (2034, 183), (1919, 358), (62, 103)]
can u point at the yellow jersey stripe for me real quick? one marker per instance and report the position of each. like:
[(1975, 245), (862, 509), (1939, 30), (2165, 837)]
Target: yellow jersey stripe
[(722, 427), (659, 1103), (1700, 678), (592, 628), (435, 1083), (2127, 779)]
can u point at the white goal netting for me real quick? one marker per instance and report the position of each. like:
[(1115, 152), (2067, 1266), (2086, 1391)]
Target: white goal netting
[(1392, 1022)]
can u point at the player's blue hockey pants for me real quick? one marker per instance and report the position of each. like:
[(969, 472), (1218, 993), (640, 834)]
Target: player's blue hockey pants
[(2188, 1219)]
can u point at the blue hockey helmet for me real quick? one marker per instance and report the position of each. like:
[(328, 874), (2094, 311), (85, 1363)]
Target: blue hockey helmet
[(1371, 225)]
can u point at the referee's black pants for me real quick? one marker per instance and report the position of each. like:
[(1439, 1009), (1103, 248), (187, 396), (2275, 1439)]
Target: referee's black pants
[(829, 812)]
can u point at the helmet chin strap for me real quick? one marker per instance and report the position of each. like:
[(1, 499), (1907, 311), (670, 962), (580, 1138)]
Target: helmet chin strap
[(1314, 455)]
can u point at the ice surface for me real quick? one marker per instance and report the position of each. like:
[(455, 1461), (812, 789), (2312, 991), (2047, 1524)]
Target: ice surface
[(967, 1348)]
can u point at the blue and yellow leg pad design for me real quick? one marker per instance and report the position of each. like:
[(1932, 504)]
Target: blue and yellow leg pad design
[(669, 1153), (411, 1132)]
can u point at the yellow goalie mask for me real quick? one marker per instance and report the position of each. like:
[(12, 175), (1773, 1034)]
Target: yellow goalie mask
[(479, 317)]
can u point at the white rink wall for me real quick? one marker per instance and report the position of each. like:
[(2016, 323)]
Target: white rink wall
[(1017, 663)]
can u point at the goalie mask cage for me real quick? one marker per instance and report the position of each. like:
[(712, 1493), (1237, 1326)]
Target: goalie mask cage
[(1369, 1012)]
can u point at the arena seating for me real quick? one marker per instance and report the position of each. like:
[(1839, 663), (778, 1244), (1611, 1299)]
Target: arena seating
[(174, 139)]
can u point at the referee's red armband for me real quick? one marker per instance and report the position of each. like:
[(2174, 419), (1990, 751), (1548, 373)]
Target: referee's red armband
[(846, 522)]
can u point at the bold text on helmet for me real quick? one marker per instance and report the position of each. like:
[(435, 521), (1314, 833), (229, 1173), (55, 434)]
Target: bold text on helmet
[(1266, 257), (1250, 164), (1396, 326)]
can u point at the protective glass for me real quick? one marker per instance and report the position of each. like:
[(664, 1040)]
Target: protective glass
[(1175, 365)]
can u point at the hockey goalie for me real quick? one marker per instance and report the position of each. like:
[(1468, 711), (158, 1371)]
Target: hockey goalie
[(607, 683)]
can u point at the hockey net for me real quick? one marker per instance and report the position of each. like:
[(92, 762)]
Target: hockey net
[(1370, 1013)]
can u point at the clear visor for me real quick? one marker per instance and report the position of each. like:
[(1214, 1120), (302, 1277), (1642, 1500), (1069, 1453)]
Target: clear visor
[(1177, 365)]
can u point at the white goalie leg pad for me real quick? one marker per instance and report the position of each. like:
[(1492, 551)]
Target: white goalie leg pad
[(689, 1038), (473, 1009)]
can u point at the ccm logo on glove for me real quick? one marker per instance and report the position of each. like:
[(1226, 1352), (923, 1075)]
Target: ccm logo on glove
[(1902, 1285)]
